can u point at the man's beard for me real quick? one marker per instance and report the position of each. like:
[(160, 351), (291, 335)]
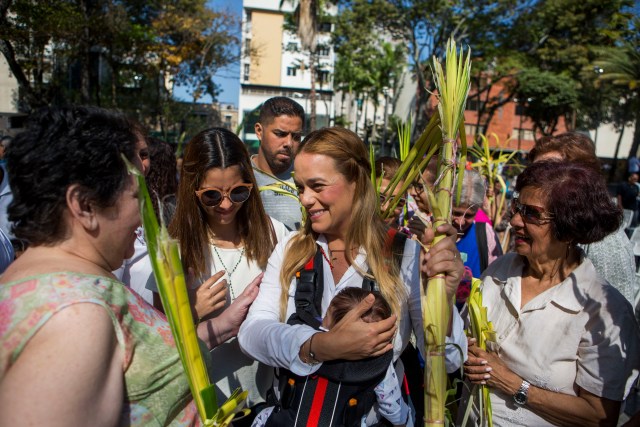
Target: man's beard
[(279, 166)]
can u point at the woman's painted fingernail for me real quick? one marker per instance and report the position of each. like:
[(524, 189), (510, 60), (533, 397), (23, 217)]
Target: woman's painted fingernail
[(488, 369), (483, 362), (486, 376), (483, 382)]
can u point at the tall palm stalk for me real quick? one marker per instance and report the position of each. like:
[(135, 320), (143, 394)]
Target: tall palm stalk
[(440, 137), (169, 275), (452, 84)]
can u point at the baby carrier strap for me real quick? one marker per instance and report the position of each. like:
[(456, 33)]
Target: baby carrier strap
[(309, 290), (317, 400), (394, 250), (341, 392)]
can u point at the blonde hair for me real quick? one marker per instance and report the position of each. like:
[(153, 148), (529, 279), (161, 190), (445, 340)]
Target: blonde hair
[(366, 228)]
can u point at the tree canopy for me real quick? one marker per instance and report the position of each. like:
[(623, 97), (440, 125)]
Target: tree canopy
[(125, 54), (513, 43)]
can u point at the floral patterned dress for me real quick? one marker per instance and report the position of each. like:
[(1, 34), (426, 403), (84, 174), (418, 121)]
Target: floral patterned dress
[(157, 391)]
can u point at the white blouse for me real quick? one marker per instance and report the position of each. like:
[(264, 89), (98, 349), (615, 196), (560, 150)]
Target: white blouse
[(580, 332), (264, 337)]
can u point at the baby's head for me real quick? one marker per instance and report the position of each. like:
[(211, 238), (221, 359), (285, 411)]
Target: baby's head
[(347, 299)]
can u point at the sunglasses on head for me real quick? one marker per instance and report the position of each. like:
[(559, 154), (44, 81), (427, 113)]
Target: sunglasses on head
[(530, 213), (212, 196), (401, 201)]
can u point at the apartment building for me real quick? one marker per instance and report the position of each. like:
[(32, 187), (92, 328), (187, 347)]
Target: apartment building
[(274, 64), (11, 120)]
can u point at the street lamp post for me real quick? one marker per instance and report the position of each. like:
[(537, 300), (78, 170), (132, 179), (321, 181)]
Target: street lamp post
[(386, 117), (598, 72)]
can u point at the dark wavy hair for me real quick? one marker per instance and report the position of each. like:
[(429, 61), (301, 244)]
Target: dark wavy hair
[(279, 106), (162, 178), (60, 147), (218, 148), (577, 197)]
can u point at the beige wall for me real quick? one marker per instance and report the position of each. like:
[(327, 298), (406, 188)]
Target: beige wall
[(8, 88), (266, 42)]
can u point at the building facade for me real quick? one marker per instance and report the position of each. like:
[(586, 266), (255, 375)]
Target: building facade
[(273, 63), (11, 120)]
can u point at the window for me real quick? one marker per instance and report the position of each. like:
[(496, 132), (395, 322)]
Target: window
[(323, 50), (291, 71), (470, 129), (524, 134), (325, 27), (521, 110), (292, 46), (323, 77), (246, 72), (473, 104), (247, 47), (17, 122)]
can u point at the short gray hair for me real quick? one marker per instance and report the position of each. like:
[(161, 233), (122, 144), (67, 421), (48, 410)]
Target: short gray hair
[(473, 189)]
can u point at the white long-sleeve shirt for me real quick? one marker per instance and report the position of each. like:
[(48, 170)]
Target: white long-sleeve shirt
[(265, 338)]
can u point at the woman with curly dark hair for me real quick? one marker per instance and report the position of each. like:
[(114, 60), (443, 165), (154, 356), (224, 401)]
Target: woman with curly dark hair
[(77, 347), (566, 349)]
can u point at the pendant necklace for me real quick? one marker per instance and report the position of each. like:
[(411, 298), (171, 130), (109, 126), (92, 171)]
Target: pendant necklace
[(229, 273), (326, 257)]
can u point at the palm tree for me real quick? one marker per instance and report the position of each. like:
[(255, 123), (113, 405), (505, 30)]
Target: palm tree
[(306, 16), (621, 66)]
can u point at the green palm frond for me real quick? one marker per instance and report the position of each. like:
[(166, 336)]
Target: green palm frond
[(452, 83), (169, 275)]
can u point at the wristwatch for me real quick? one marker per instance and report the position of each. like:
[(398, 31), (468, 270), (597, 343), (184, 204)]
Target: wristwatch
[(521, 395)]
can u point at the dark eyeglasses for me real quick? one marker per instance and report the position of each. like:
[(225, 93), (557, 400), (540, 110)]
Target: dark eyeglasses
[(401, 201), (530, 213), (212, 196), (417, 187)]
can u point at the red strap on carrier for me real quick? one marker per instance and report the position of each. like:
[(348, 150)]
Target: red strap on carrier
[(318, 400)]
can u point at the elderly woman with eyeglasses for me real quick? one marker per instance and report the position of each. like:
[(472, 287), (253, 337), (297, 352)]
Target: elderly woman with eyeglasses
[(567, 343)]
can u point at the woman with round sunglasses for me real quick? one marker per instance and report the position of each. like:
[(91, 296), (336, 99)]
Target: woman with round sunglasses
[(567, 343), (224, 231)]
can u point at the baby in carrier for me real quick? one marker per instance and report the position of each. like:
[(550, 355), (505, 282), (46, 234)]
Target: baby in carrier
[(316, 400)]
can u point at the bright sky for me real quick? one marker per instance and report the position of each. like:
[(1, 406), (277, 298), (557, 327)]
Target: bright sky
[(228, 78)]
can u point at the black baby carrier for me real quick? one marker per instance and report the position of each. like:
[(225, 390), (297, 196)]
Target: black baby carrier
[(341, 392)]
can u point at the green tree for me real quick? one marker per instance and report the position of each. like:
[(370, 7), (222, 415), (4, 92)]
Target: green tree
[(549, 97), (124, 54), (621, 67), (562, 37), (507, 38), (423, 26), (367, 64)]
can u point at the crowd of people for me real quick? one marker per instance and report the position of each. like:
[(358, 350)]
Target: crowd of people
[(304, 283)]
